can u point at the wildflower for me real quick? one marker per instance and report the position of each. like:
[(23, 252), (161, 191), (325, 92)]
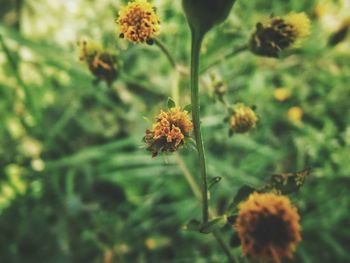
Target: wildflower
[(138, 21), (281, 94), (169, 131), (268, 227), (279, 33), (295, 114), (242, 119), (102, 64)]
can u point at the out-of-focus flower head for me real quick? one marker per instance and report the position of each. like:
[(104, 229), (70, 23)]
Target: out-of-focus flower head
[(138, 22), (279, 33), (268, 227), (169, 131), (295, 114), (101, 63), (281, 94), (242, 118)]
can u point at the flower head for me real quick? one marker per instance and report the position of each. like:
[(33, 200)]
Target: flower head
[(169, 131), (102, 64), (295, 114), (281, 94), (138, 21), (279, 33), (268, 226), (242, 119)]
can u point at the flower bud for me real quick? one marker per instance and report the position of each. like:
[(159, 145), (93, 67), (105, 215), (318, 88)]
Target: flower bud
[(202, 15)]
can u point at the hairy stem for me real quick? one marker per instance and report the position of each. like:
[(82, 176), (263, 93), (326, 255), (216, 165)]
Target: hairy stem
[(195, 52)]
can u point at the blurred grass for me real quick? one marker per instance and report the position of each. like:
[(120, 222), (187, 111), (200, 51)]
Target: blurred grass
[(75, 183)]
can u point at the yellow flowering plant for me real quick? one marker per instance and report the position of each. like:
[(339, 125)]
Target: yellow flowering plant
[(265, 223)]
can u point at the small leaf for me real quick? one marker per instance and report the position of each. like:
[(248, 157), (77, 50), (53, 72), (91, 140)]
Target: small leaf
[(193, 225), (214, 181), (240, 196), (188, 108), (214, 224), (171, 103)]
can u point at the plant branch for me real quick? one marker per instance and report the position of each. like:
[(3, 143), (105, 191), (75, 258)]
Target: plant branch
[(233, 53), (166, 52)]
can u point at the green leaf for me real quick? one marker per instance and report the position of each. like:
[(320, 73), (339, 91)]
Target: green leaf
[(213, 224), (241, 195), (188, 108), (171, 103), (193, 225), (214, 181)]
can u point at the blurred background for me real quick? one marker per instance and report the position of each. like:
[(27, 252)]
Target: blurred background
[(76, 184)]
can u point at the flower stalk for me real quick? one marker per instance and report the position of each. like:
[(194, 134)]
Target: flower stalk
[(195, 102)]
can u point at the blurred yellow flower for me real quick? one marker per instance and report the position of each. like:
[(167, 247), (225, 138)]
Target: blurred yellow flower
[(243, 118), (37, 165), (150, 244), (281, 94), (31, 147), (138, 21), (295, 114), (268, 227), (169, 131), (15, 128)]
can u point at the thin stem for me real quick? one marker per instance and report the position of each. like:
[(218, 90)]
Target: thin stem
[(195, 52), (188, 176), (233, 53), (197, 193), (166, 52), (175, 88), (224, 247)]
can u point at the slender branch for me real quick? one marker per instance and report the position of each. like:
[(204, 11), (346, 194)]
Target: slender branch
[(166, 52), (233, 53), (195, 52), (188, 176)]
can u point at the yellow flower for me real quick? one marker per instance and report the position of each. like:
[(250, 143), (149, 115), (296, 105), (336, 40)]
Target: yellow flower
[(169, 131), (268, 227), (243, 118), (281, 94), (295, 114), (102, 64), (280, 33), (138, 21)]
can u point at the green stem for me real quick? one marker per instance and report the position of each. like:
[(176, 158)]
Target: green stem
[(195, 52), (233, 53), (175, 88), (166, 52), (224, 247)]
